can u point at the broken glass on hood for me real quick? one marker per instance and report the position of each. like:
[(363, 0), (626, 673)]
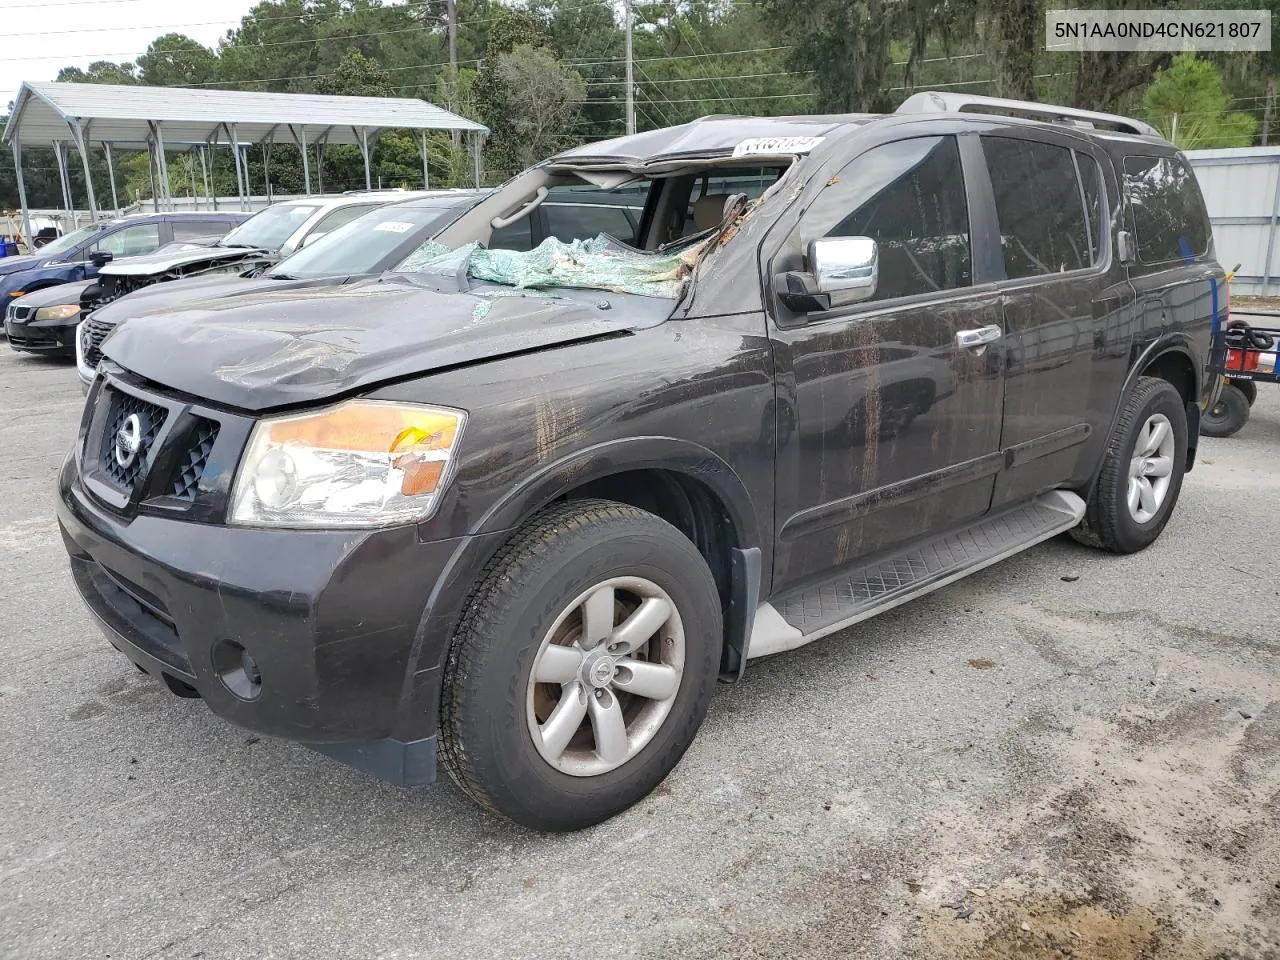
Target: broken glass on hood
[(600, 263)]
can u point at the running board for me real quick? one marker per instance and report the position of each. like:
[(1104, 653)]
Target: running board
[(857, 594)]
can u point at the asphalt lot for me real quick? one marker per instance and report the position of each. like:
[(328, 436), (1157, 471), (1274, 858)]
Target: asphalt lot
[(1091, 766)]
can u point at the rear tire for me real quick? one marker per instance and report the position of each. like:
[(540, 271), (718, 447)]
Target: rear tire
[(564, 741), (1228, 415), (1141, 476)]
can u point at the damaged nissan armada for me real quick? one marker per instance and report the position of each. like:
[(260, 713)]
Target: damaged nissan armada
[(519, 504)]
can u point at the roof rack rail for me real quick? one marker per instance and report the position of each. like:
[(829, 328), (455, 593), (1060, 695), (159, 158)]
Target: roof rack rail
[(932, 102)]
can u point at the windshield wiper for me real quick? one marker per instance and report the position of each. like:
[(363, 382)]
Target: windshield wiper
[(282, 276)]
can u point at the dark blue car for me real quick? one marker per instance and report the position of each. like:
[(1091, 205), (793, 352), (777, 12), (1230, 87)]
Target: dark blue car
[(68, 258)]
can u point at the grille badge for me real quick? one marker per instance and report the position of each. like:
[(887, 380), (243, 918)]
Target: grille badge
[(128, 440)]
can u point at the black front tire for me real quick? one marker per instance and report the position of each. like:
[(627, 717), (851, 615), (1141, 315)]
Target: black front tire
[(485, 740), (1228, 415), (1108, 521)]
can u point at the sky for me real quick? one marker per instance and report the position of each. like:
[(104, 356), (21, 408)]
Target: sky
[(43, 36)]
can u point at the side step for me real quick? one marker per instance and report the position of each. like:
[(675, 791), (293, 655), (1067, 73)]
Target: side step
[(858, 593)]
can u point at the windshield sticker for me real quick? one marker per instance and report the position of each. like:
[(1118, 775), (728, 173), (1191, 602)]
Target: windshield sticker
[(394, 226), (776, 146)]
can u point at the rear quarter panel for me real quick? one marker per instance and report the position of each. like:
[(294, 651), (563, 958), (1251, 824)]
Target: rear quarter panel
[(1179, 302)]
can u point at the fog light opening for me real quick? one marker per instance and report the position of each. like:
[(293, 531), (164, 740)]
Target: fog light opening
[(237, 669)]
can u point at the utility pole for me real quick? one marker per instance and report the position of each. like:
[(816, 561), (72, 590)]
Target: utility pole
[(631, 83), (452, 7)]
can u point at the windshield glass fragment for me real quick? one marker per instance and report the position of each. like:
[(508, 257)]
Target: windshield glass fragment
[(600, 263)]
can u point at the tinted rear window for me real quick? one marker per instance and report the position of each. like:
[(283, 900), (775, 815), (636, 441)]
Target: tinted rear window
[(1168, 214), (1039, 206)]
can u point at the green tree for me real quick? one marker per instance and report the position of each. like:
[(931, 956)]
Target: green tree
[(544, 98), (846, 44), (356, 76), (494, 99), (175, 61), (1188, 104), (589, 37), (100, 71), (698, 57)]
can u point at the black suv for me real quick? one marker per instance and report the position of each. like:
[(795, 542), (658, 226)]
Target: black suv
[(524, 507)]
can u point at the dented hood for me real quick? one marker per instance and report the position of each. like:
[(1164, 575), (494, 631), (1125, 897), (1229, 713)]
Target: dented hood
[(304, 346), (164, 260), (175, 294)]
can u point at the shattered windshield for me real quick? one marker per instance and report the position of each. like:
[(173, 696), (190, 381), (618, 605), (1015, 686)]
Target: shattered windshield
[(627, 233), (600, 263)]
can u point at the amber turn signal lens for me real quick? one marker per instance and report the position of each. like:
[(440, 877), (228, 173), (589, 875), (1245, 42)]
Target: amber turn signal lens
[(368, 427), (420, 476)]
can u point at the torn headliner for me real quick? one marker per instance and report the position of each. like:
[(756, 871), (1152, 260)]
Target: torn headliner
[(709, 137)]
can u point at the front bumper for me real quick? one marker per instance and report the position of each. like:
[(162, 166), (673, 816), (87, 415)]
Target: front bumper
[(48, 336), (334, 620)]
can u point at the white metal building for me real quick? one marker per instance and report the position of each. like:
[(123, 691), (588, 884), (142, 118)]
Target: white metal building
[(1241, 188), (161, 120)]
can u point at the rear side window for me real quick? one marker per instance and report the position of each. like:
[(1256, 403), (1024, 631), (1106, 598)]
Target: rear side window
[(1039, 206), (340, 218), (131, 241), (909, 197), (196, 229), (1169, 221)]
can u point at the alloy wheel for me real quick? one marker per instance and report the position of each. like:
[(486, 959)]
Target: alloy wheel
[(1150, 468), (606, 676)]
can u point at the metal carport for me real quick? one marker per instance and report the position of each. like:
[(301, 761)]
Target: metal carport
[(158, 119)]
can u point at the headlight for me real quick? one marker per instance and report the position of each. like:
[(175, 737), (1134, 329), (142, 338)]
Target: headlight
[(363, 463), (63, 311)]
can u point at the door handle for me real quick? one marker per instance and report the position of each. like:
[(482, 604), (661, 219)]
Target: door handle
[(980, 337)]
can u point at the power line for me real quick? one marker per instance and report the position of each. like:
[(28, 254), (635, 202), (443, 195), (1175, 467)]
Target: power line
[(685, 56), (159, 27), (736, 76), (267, 43), (679, 21), (70, 3), (247, 17), (769, 96), (667, 121), (251, 19), (428, 66)]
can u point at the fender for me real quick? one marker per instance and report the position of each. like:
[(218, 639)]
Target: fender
[(419, 702), (673, 455), (619, 456), (44, 284)]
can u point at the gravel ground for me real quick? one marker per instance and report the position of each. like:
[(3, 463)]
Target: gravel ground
[(1067, 754)]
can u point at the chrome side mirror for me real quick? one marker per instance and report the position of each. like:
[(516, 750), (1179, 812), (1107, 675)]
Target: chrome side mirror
[(849, 266)]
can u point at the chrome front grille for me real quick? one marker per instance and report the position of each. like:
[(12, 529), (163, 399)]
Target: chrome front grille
[(191, 467), (142, 448), (92, 333), (126, 448)]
